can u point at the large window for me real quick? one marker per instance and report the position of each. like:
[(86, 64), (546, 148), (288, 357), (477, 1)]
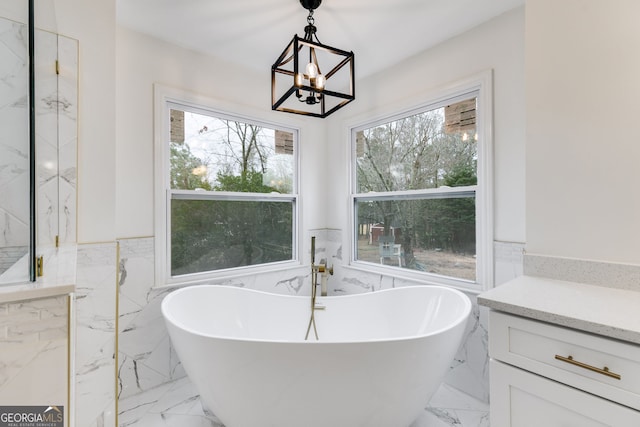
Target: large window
[(419, 200), (230, 196)]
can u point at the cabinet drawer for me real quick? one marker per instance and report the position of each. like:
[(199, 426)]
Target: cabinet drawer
[(522, 399), (596, 364)]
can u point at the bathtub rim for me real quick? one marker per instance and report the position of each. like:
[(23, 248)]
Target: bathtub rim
[(463, 317)]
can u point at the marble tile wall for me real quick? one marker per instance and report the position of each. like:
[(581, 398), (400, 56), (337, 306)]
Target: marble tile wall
[(469, 371), (10, 256), (177, 404), (56, 139), (147, 359), (95, 348), (14, 148), (67, 137), (145, 356), (33, 359), (46, 93), (56, 136)]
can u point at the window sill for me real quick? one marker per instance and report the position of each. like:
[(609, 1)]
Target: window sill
[(420, 278), (229, 274)]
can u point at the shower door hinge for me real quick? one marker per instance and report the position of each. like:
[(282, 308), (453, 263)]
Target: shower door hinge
[(57, 67), (57, 241), (40, 266)]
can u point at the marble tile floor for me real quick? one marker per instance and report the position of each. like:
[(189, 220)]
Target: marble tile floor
[(177, 404)]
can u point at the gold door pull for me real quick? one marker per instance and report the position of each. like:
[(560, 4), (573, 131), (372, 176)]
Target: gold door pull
[(603, 371)]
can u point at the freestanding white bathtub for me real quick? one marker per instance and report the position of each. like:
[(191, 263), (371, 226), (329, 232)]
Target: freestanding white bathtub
[(379, 358)]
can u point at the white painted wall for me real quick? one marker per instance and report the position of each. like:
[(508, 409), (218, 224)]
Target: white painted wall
[(497, 45), (143, 61), (581, 196), (582, 92)]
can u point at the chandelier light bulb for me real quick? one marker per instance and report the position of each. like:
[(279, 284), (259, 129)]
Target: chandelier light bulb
[(312, 70), (320, 80)]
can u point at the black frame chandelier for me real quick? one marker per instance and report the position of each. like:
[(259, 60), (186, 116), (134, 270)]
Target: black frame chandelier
[(310, 78)]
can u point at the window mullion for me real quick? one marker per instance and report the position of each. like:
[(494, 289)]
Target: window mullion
[(431, 193), (230, 196)]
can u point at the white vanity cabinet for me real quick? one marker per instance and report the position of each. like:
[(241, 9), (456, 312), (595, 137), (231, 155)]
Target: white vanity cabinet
[(544, 375)]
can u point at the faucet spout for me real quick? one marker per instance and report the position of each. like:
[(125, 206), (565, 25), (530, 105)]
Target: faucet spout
[(325, 272)]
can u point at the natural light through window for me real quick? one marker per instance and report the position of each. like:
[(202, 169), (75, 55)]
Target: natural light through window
[(231, 192), (415, 190)]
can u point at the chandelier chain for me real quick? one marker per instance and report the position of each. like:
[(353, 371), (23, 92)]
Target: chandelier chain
[(310, 29)]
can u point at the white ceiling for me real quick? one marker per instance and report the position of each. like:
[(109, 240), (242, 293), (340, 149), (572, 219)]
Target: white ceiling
[(253, 33)]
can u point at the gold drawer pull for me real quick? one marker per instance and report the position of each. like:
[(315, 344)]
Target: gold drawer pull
[(603, 371)]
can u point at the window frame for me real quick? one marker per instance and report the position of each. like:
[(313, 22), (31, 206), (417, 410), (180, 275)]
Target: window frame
[(165, 99), (480, 86)]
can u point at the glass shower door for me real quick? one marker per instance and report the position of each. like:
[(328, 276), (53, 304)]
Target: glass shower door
[(14, 152)]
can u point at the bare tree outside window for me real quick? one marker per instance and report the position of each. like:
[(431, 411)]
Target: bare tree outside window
[(233, 201), (415, 191)]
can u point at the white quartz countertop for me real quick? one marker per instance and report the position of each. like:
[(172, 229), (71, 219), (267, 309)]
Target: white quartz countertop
[(610, 312), (59, 276)]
